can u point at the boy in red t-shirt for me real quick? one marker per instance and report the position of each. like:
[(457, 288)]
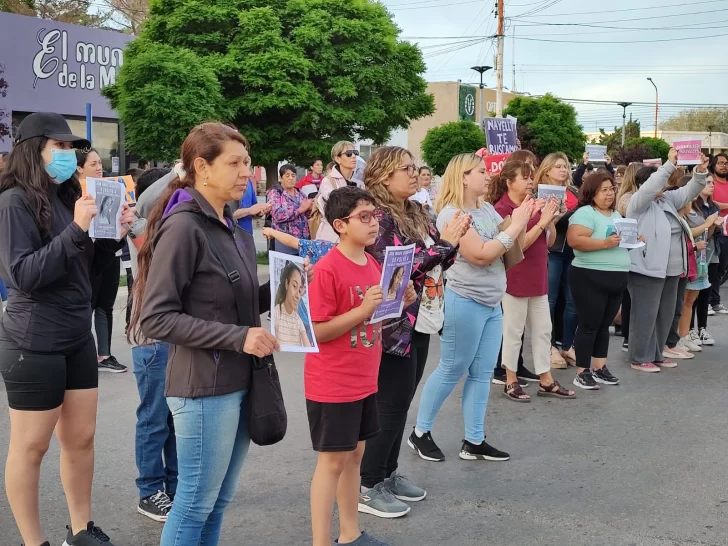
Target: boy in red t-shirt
[(340, 380)]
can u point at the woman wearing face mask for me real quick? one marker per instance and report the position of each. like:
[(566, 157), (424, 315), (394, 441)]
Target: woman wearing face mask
[(188, 301), (46, 257), (473, 326), (289, 209), (344, 155), (391, 177), (657, 267), (104, 276), (555, 171)]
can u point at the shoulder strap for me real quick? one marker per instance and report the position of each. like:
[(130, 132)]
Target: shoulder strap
[(232, 274)]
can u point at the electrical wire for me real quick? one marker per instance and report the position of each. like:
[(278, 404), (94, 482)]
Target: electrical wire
[(658, 7), (622, 42)]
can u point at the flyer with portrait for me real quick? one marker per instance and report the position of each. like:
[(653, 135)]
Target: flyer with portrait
[(627, 230), (546, 192), (109, 196), (290, 315), (396, 271)]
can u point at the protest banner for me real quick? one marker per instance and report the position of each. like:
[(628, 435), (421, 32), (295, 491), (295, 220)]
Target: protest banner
[(627, 230), (108, 196), (396, 271), (653, 162), (596, 152), (494, 163), (688, 151), (546, 191), (501, 135)]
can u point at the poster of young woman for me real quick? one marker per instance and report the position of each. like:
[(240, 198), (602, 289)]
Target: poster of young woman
[(290, 316), (109, 197), (396, 271)]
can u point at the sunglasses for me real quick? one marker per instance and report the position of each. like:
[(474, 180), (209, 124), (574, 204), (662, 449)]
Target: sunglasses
[(350, 153), (366, 216)]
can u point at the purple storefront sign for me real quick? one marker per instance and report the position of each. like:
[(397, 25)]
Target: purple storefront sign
[(55, 67)]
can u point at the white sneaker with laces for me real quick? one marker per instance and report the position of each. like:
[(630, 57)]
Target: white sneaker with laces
[(695, 337), (687, 343), (711, 312), (705, 337), (720, 309)]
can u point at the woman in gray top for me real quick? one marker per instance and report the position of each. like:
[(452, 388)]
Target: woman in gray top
[(473, 326), (656, 268)]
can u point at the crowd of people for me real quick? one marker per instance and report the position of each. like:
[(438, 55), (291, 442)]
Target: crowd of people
[(491, 261)]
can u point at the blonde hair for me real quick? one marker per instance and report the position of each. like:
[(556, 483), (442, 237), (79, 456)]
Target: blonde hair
[(451, 188), (629, 184), (339, 148), (548, 163), (412, 220)]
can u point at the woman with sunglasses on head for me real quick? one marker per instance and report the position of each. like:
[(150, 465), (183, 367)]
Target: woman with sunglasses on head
[(344, 155), (391, 177), (47, 352)]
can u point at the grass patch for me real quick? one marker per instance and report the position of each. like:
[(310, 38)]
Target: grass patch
[(261, 258), (122, 280)]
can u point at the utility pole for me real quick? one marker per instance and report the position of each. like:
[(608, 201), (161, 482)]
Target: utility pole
[(657, 97), (499, 61), (481, 70), (624, 118), (513, 56), (710, 138)]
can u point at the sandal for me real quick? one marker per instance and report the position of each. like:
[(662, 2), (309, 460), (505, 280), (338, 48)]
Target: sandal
[(516, 393), (555, 390)]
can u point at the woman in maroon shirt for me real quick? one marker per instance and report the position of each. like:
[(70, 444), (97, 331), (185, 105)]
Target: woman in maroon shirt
[(526, 298)]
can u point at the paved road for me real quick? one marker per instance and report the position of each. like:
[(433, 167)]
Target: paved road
[(638, 464)]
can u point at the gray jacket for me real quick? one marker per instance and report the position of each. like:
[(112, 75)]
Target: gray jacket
[(652, 222)]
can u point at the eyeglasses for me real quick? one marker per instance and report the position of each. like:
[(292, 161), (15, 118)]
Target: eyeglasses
[(349, 153), (411, 169), (366, 216), (721, 163), (609, 189)]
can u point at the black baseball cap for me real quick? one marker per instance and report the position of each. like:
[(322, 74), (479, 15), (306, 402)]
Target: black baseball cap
[(49, 125)]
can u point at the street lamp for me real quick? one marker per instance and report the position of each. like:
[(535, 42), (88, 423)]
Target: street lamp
[(624, 118), (482, 70), (656, 103)]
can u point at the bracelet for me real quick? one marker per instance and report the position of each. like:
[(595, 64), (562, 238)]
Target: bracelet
[(505, 239)]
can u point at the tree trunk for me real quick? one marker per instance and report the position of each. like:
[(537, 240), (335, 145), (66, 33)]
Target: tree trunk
[(271, 175)]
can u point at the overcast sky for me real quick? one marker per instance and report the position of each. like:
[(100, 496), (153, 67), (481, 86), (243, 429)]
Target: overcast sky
[(685, 67)]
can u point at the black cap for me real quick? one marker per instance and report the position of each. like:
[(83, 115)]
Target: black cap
[(49, 125)]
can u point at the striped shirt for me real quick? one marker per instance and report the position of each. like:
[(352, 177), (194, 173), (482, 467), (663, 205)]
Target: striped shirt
[(289, 328)]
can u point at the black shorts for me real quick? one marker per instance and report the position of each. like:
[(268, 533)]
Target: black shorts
[(39, 381), (341, 426)]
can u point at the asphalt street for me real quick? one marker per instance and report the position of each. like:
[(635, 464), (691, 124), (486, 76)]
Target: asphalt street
[(643, 463)]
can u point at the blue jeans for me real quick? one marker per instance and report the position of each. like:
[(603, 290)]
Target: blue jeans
[(3, 291), (470, 342), (154, 428), (559, 265), (212, 442)]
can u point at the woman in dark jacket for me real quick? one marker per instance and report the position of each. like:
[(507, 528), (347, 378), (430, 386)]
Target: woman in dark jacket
[(391, 177), (47, 352), (186, 299)]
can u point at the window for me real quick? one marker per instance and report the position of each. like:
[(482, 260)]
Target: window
[(366, 150)]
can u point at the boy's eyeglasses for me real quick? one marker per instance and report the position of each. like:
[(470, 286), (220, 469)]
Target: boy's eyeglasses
[(349, 153), (366, 216)]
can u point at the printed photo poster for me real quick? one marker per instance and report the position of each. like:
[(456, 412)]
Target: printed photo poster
[(688, 151), (396, 271), (501, 135), (109, 197), (290, 316), (596, 152), (627, 230), (546, 191)]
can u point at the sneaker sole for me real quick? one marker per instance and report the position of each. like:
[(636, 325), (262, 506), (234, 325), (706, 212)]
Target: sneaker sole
[(410, 499), (466, 456), (112, 370), (423, 457), (646, 370), (585, 387), (709, 343), (679, 357), (364, 509), (604, 382), (151, 516)]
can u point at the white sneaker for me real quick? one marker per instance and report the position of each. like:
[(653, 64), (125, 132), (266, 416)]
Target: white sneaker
[(677, 353), (711, 312), (695, 337), (687, 343), (720, 309), (706, 338)]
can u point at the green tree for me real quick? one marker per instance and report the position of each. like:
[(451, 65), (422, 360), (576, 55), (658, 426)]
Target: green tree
[(701, 119), (656, 146), (294, 76), (613, 141), (448, 140), (547, 125)]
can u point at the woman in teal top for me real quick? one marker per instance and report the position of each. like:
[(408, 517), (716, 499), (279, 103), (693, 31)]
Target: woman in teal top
[(598, 277)]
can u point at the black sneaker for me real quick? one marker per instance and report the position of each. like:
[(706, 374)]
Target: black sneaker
[(110, 364), (425, 447), (585, 380), (604, 376), (155, 506), (473, 452), (526, 375), (91, 536), (625, 346)]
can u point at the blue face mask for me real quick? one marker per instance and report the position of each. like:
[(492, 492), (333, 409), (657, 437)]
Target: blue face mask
[(62, 166)]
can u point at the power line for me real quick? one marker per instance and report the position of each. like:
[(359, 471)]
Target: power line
[(622, 42), (658, 7), (437, 6)]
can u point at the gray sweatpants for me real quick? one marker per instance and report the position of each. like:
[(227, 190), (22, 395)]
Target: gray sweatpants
[(653, 308)]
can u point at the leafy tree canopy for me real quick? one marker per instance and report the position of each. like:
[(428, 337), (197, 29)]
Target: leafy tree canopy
[(66, 11), (294, 76), (701, 119), (547, 125), (448, 140), (638, 149), (613, 140)]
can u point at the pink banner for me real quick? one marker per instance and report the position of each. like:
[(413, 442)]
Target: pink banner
[(688, 151), (493, 163)]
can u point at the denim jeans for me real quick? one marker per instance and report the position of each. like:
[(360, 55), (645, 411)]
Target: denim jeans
[(3, 291), (469, 345), (559, 265), (212, 442), (156, 447)]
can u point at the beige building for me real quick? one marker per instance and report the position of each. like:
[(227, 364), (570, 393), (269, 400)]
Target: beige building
[(453, 101)]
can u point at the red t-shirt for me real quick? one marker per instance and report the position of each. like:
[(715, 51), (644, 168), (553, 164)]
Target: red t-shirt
[(529, 278), (571, 200), (345, 369), (720, 193)]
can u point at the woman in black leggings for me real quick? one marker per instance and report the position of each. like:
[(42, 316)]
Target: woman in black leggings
[(104, 277)]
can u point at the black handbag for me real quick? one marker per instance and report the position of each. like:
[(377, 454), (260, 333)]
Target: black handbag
[(267, 418)]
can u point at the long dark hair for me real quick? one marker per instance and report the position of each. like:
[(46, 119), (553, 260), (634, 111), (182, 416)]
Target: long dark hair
[(207, 141), (510, 171), (25, 169)]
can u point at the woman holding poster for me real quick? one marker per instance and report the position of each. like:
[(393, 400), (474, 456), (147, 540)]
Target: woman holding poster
[(473, 329)]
